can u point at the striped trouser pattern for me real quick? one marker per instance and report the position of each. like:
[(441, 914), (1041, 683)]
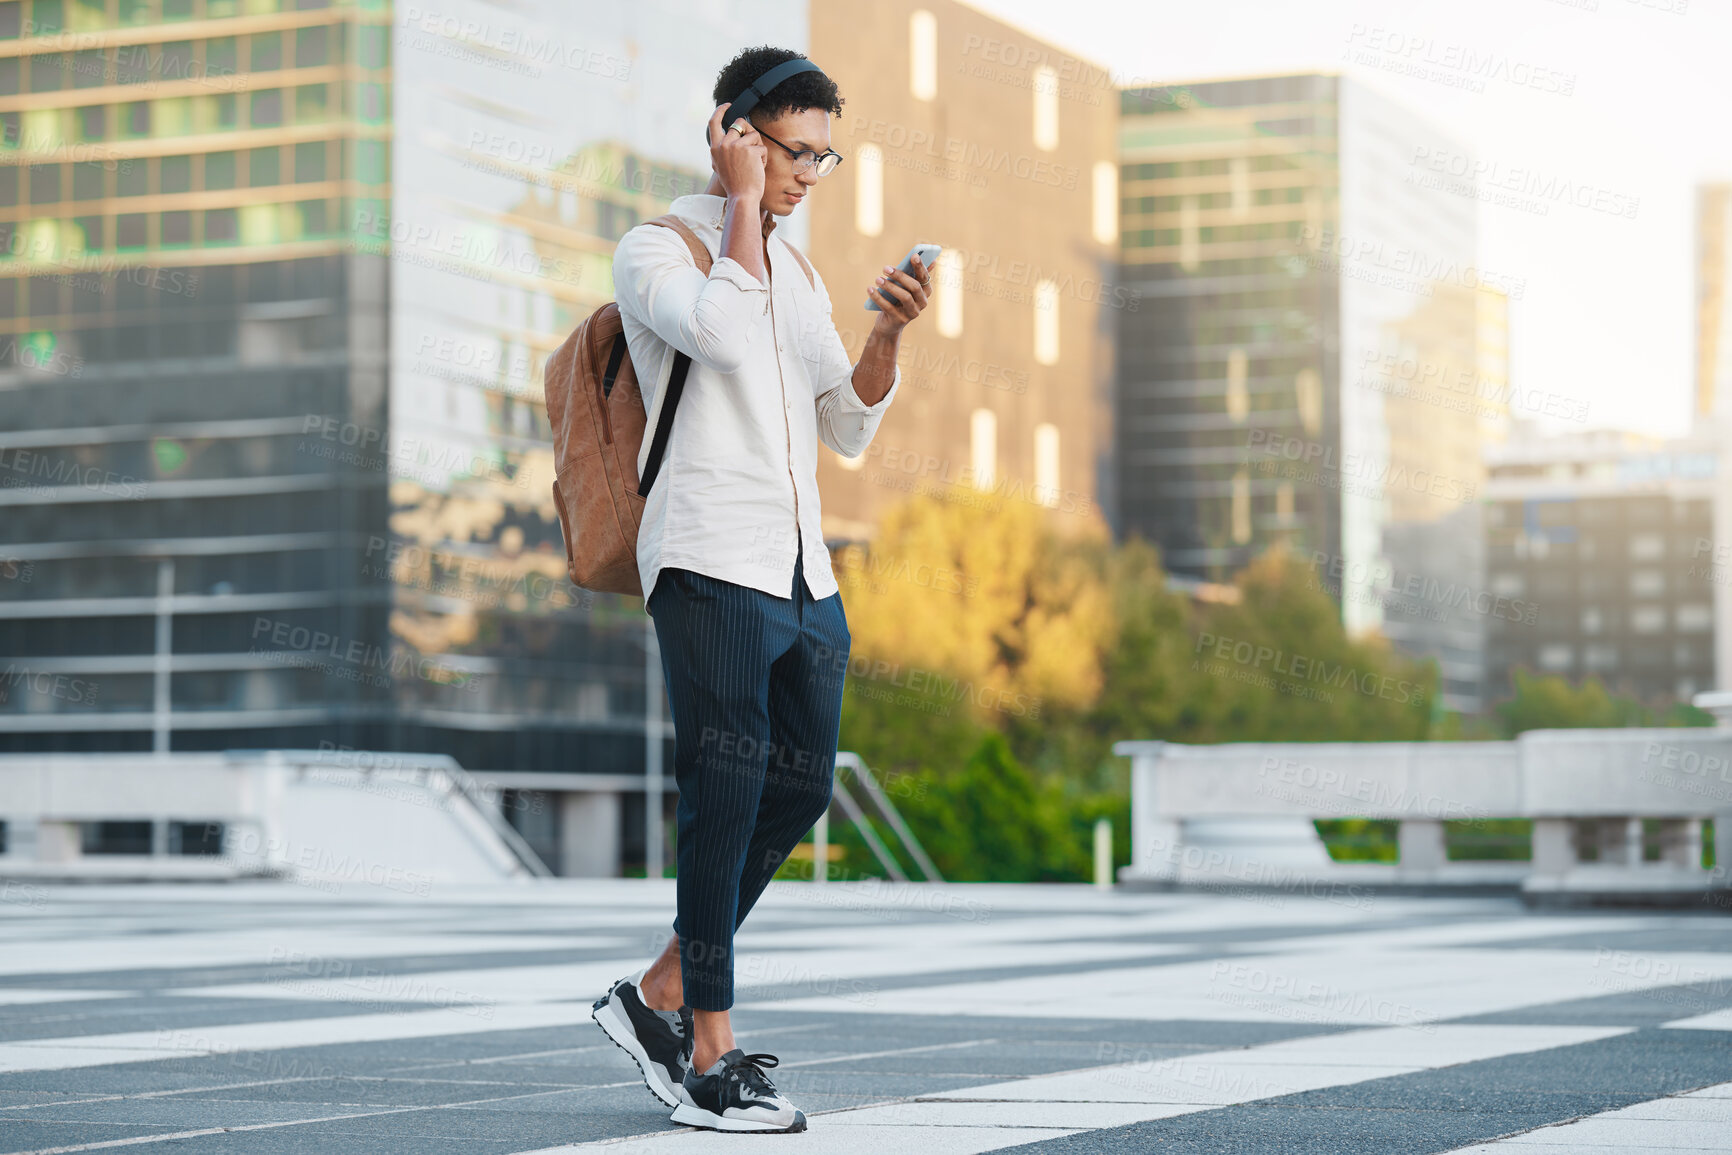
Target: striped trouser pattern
[(755, 689)]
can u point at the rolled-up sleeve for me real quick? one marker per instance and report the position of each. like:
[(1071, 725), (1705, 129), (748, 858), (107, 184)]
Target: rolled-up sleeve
[(710, 319), (846, 424)]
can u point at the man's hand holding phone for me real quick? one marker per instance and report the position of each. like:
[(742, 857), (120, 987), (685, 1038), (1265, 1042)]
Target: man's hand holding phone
[(738, 155), (900, 294)]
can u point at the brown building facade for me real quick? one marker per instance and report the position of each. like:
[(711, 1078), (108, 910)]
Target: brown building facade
[(962, 131)]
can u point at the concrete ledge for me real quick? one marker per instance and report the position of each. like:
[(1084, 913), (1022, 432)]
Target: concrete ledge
[(1646, 886)]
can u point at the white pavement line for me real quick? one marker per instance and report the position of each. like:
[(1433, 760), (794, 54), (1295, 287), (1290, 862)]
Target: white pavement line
[(899, 1051), (986, 1118), (20, 996), (1720, 1020), (1697, 1121), (137, 1140), (148, 1046), (1348, 986)]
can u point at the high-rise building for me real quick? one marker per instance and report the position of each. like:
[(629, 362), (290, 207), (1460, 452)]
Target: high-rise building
[(1316, 361), (963, 131), (278, 280), (1603, 562)]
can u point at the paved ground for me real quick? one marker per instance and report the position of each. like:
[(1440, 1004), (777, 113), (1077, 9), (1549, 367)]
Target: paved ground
[(276, 1018)]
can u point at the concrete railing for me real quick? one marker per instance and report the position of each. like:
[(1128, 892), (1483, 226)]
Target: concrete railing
[(400, 821), (1244, 813)]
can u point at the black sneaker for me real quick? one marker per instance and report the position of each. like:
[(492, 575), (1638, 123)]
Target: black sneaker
[(736, 1095), (660, 1041)]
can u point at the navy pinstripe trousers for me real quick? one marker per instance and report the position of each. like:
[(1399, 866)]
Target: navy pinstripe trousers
[(755, 688)]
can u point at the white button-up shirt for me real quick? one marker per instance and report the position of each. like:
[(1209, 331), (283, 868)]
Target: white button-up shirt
[(737, 495)]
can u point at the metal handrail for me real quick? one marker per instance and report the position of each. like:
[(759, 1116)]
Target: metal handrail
[(848, 760)]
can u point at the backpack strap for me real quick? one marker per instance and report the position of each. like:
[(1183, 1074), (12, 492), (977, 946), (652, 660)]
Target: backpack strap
[(668, 398), (700, 254)]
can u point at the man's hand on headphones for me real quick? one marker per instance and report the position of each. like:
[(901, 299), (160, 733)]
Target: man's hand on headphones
[(738, 155)]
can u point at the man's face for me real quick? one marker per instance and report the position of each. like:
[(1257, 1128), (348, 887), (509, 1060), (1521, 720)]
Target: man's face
[(784, 189)]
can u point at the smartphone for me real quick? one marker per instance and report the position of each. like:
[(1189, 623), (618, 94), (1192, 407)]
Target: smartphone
[(928, 255)]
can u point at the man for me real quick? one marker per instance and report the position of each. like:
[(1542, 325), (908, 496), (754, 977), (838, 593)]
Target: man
[(731, 554)]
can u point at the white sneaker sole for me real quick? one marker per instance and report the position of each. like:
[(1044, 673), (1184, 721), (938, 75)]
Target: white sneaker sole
[(693, 1115), (618, 1028)]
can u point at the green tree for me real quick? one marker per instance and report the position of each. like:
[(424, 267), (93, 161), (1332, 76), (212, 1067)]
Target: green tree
[(1549, 702)]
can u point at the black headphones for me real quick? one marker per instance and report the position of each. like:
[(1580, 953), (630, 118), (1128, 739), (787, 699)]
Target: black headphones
[(743, 104)]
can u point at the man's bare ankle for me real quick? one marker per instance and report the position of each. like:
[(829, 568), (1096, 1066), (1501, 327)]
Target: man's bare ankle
[(660, 995)]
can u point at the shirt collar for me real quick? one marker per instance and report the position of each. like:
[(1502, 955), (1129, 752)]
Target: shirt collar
[(706, 210)]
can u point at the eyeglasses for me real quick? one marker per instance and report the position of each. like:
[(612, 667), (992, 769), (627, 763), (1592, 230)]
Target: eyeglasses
[(806, 158)]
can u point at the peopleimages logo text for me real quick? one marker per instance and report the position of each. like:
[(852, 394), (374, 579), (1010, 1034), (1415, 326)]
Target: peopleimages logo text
[(1309, 669)]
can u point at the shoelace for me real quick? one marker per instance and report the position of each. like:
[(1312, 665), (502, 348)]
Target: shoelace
[(686, 1037), (749, 1071)]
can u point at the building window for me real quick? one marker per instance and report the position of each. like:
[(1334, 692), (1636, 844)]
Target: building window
[(869, 191), (1046, 464), (1240, 513), (312, 47), (310, 161), (947, 291), (175, 174), (176, 229), (1599, 658), (983, 447), (1695, 618), (132, 178), (1593, 621), (1308, 399), (220, 227), (1647, 583), (1647, 546), (221, 56), (44, 184), (267, 108), (264, 167), (1648, 619), (1046, 322), (131, 231), (370, 162), (1189, 242), (923, 55), (1556, 659), (1045, 108), (266, 53), (1106, 206), (312, 104), (219, 170), (1238, 395)]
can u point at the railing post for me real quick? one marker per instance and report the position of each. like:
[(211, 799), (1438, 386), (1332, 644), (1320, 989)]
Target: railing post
[(821, 847), (1103, 853), (1554, 852), (1421, 847)]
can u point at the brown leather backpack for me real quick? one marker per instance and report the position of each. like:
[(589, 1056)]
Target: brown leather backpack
[(597, 413)]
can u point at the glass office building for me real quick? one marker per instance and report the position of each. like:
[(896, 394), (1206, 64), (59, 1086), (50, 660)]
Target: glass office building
[(279, 279), (1308, 367)]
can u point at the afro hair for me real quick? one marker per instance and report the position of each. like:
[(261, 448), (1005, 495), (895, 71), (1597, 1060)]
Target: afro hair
[(803, 91)]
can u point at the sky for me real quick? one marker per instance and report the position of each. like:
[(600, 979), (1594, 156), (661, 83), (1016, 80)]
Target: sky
[(1633, 97)]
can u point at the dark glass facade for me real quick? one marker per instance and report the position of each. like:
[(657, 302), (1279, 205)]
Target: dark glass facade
[(1221, 183)]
